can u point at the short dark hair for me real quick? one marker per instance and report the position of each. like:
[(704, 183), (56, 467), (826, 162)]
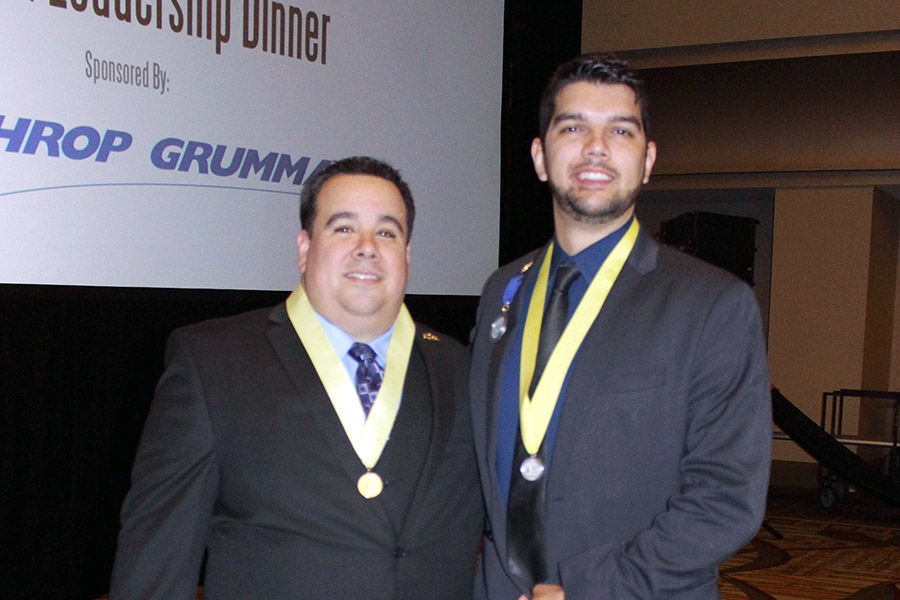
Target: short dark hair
[(354, 165), (593, 68)]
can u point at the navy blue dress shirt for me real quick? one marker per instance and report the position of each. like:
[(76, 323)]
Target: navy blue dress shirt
[(589, 262)]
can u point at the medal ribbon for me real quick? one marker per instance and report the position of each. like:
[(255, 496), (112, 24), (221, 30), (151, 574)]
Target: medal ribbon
[(535, 413), (367, 436)]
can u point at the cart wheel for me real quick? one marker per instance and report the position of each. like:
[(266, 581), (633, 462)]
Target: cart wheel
[(828, 498), (833, 492), (843, 488)]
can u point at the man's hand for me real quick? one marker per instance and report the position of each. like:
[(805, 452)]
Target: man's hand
[(546, 592)]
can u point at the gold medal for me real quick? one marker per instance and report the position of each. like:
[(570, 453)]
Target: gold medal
[(368, 436), (369, 484)]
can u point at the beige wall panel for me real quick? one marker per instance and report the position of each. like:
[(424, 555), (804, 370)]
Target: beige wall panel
[(817, 311), (876, 417), (618, 26), (828, 113), (895, 353), (882, 292)]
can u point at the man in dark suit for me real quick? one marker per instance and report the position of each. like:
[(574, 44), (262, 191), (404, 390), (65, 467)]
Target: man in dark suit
[(265, 451), (630, 456)]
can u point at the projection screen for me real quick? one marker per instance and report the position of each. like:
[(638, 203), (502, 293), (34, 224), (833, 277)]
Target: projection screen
[(163, 143)]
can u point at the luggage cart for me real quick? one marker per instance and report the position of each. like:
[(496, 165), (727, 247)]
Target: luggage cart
[(833, 488)]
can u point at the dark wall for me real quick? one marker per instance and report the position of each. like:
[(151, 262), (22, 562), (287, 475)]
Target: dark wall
[(78, 365)]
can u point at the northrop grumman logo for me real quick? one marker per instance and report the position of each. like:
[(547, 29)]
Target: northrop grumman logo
[(51, 139)]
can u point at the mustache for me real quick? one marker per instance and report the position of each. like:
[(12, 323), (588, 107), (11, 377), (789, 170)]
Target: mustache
[(595, 164)]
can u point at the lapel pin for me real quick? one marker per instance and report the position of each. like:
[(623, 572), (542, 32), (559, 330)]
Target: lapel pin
[(498, 327)]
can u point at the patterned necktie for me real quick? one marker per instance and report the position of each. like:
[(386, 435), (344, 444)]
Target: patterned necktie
[(369, 374), (525, 511)]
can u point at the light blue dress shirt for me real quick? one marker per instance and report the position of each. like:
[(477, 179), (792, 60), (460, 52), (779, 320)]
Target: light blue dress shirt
[(341, 342)]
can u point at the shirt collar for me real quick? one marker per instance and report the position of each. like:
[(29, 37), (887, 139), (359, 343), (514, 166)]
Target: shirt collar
[(591, 258), (342, 342)]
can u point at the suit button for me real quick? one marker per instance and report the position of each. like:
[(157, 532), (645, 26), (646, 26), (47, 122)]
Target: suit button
[(399, 552)]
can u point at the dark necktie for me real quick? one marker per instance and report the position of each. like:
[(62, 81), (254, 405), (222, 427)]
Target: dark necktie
[(525, 513), (369, 375), (554, 321)]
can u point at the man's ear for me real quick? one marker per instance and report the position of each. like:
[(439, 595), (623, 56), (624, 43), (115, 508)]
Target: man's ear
[(649, 160), (302, 250), (537, 157)]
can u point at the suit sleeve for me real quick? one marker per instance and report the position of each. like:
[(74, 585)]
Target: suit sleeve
[(166, 515), (724, 471)]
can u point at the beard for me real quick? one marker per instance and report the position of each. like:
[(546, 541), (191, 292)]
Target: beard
[(611, 210)]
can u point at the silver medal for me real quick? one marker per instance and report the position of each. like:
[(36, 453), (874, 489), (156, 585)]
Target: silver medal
[(498, 328), (532, 468)]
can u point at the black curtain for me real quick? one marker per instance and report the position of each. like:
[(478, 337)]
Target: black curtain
[(537, 36), (77, 372)]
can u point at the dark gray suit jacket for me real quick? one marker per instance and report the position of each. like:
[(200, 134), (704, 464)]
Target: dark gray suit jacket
[(662, 455), (243, 456)]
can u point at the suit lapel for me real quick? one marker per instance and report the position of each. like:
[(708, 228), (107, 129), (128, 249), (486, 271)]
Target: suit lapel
[(312, 394), (496, 367), (641, 261), (441, 388)]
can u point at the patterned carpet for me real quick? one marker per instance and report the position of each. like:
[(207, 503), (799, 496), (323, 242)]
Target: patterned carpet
[(850, 552)]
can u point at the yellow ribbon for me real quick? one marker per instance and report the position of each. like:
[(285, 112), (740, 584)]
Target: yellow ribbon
[(367, 435), (535, 413)]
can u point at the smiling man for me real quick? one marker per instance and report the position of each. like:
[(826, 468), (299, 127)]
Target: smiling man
[(320, 449), (620, 392)]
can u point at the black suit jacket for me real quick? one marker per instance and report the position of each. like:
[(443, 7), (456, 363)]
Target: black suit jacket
[(661, 461), (243, 456)]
